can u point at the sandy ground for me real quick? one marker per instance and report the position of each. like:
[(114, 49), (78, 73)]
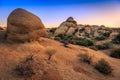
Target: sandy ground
[(65, 60)]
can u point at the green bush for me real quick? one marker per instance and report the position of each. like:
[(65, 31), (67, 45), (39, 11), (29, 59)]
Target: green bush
[(107, 34), (116, 40), (84, 42), (115, 53), (61, 36), (85, 58), (103, 67), (74, 40), (106, 45), (52, 30), (93, 47), (57, 38)]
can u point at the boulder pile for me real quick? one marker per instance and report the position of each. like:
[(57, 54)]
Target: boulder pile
[(70, 27)]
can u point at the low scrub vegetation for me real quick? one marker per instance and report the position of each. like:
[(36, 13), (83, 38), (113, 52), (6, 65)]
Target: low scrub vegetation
[(85, 58), (25, 69), (105, 45), (93, 47), (116, 40), (103, 67), (52, 30), (103, 36), (115, 53), (50, 51), (74, 40)]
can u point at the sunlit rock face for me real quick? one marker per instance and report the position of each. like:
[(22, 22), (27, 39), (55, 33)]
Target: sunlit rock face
[(67, 27), (70, 27), (24, 26)]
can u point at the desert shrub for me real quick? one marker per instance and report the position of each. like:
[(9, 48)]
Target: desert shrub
[(105, 45), (85, 58), (61, 36), (84, 42), (50, 51), (93, 47), (57, 38), (81, 41), (101, 37), (74, 40), (107, 34), (81, 30), (65, 43), (115, 53), (52, 30), (116, 40), (25, 69), (103, 67)]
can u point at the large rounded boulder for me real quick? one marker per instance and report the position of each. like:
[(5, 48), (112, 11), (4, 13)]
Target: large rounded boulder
[(23, 26)]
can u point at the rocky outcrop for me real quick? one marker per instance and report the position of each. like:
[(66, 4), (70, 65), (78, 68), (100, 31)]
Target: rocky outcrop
[(66, 27), (70, 27), (2, 33), (2, 28), (24, 26)]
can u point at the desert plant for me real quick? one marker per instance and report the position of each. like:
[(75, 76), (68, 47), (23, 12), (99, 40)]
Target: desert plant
[(50, 51), (103, 67), (107, 34), (74, 40), (61, 36), (52, 30), (105, 45), (116, 40), (93, 47), (85, 58), (101, 37), (84, 42), (115, 53), (65, 43), (25, 69), (57, 38)]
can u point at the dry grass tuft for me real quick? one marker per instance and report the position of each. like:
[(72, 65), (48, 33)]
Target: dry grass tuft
[(50, 51), (115, 53), (103, 67), (25, 69), (85, 58)]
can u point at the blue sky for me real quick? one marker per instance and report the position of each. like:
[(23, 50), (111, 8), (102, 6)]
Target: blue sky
[(53, 12)]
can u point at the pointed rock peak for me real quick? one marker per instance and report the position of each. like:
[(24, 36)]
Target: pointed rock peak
[(71, 19)]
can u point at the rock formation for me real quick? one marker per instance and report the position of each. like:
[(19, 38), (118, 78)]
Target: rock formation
[(24, 26), (2, 33), (66, 27), (2, 28), (70, 27)]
